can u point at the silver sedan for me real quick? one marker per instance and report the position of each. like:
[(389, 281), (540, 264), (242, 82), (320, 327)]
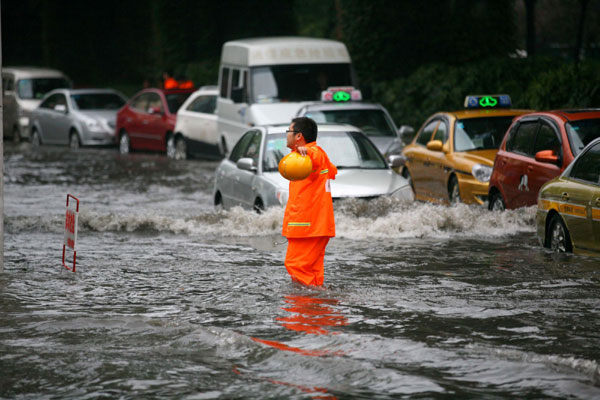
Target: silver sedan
[(249, 177), (76, 117)]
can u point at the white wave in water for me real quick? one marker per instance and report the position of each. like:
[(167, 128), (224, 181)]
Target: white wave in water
[(355, 219)]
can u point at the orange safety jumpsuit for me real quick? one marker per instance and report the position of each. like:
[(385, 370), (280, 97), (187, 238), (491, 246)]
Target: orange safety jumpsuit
[(308, 221)]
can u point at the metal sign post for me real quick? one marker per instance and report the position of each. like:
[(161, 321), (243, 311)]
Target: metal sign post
[(70, 232)]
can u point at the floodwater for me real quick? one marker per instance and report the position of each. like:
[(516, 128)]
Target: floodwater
[(172, 299)]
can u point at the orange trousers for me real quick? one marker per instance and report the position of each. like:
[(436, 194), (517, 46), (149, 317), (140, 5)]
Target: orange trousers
[(304, 259)]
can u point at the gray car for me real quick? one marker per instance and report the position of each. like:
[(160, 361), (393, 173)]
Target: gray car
[(80, 117), (371, 118), (250, 178)]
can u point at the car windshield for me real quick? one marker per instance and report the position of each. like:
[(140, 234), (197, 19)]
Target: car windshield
[(345, 150), (582, 132), (175, 100), (480, 133), (36, 88), (97, 101), (297, 82), (371, 122)]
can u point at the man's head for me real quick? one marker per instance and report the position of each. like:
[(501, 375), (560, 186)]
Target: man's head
[(304, 126)]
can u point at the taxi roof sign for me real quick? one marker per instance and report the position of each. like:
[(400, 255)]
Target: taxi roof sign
[(488, 101), (341, 94)]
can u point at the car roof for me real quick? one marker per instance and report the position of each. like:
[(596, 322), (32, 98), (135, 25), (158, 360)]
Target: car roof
[(323, 127), (33, 72), (283, 50), (479, 113), (570, 114), (352, 105), (207, 90)]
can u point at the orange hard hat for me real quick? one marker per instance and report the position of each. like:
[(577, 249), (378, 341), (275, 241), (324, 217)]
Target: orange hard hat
[(295, 167)]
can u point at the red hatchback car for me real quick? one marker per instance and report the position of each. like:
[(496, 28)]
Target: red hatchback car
[(147, 120), (536, 148)]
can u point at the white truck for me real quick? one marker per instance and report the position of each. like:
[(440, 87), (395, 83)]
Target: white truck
[(265, 81)]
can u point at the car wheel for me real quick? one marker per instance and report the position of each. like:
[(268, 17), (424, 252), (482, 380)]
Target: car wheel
[(124, 146), (74, 141), (171, 147), (219, 202), (16, 136), (36, 141), (558, 236), (497, 202), (176, 148), (453, 191), (259, 206), (406, 175)]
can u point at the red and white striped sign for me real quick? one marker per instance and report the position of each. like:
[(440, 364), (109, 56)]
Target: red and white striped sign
[(71, 231)]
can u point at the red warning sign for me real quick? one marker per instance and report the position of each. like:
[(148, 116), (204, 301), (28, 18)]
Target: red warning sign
[(71, 231)]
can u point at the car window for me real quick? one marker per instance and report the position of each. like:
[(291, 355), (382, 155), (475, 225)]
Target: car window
[(9, 84), (203, 104), (37, 88), (581, 133), (154, 102), (97, 101), (54, 100), (547, 139), (175, 100), (253, 149), (240, 148), (523, 138), (225, 82), (140, 103), (372, 122), (587, 167), (480, 133), (275, 149), (442, 132), (425, 135)]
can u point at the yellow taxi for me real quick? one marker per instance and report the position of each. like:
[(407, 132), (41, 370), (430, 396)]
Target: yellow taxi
[(451, 157)]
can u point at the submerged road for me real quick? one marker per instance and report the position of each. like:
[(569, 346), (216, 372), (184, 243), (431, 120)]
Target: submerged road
[(174, 299)]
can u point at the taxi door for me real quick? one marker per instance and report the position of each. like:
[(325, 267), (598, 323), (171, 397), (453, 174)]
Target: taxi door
[(579, 198), (154, 123), (539, 172), (436, 165), (596, 219), (418, 165), (514, 164)]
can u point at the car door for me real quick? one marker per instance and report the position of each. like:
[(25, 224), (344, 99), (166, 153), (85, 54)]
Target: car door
[(200, 120), (228, 174), (62, 120), (246, 181), (417, 157), (519, 155), (10, 119), (437, 163), (580, 198), (42, 118), (538, 173), (136, 111), (154, 124)]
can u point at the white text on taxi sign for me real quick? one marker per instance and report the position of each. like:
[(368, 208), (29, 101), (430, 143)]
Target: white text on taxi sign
[(70, 239)]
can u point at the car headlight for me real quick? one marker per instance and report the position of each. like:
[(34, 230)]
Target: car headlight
[(482, 172), (24, 121), (95, 126), (282, 196)]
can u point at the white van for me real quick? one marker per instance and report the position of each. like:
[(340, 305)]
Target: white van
[(22, 91), (266, 80)]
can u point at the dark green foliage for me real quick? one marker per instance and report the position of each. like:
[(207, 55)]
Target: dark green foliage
[(539, 83)]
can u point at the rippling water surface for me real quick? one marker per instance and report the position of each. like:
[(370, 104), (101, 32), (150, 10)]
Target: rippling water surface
[(174, 299)]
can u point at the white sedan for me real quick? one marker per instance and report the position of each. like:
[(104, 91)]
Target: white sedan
[(249, 177), (196, 127)]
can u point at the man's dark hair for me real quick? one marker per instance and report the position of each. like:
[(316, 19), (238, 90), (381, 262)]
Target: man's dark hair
[(307, 126)]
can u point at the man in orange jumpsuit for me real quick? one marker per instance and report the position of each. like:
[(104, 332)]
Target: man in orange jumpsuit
[(308, 221)]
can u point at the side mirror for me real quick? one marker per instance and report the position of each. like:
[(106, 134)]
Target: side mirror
[(396, 161), (435, 145), (546, 156), (247, 164), (60, 108), (155, 111), (406, 133)]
